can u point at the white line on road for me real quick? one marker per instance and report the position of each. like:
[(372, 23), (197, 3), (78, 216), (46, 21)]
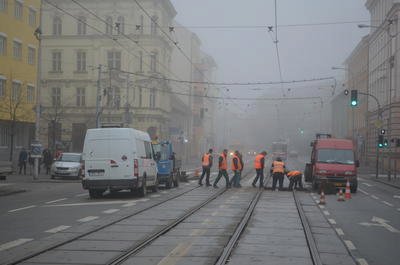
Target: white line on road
[(14, 243), (129, 204), (332, 221), (362, 262), (111, 211), (88, 219), (88, 203), (367, 184), (326, 213), (339, 231), (374, 197), (81, 195), (396, 196), (63, 199), (321, 206), (350, 245), (388, 203), (363, 191), (57, 229), (23, 208)]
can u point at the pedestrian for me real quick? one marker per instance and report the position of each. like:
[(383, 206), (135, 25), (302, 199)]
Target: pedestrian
[(277, 171), (47, 160), (295, 177), (22, 159), (237, 169), (222, 169), (259, 163), (206, 161)]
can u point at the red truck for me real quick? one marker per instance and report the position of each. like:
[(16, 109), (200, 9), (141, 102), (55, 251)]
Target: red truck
[(332, 162)]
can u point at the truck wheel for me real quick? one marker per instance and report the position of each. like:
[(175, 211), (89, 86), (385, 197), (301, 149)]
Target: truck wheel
[(143, 189), (94, 194)]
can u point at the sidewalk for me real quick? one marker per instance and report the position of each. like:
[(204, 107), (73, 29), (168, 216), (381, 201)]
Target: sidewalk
[(383, 177)]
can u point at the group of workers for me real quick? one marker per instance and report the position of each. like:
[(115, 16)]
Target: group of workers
[(278, 171)]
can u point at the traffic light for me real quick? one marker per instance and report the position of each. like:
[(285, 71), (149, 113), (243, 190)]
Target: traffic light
[(385, 143), (380, 141), (383, 131), (354, 98)]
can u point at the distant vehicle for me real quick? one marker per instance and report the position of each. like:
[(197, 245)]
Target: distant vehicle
[(67, 165), (293, 154), (118, 159), (168, 166), (332, 161), (279, 149)]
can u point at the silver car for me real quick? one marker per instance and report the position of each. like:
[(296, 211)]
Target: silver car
[(67, 165)]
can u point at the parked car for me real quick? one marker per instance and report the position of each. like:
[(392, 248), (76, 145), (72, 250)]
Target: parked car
[(67, 165)]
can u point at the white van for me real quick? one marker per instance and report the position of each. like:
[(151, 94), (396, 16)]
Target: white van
[(118, 159)]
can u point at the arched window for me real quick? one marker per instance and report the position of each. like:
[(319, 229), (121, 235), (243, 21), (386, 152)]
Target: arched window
[(109, 25), (120, 25), (57, 26)]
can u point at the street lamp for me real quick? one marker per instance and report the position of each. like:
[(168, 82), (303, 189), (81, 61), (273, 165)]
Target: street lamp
[(38, 35)]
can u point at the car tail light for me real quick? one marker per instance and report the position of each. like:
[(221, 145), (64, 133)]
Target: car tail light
[(136, 168)]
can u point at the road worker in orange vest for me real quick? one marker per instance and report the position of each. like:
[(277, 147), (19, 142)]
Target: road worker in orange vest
[(222, 169), (206, 161), (278, 172), (294, 179), (259, 162), (237, 166)]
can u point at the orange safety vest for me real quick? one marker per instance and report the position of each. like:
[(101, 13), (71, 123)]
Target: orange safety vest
[(240, 166), (257, 161), (224, 164), (278, 167), (293, 173), (206, 160)]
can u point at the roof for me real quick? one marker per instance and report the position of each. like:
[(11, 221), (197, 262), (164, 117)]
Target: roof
[(334, 143)]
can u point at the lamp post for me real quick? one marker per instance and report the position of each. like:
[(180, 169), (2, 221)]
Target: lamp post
[(38, 36)]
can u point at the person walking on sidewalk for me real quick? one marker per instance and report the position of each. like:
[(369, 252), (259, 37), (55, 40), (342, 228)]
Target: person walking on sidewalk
[(259, 163), (47, 160), (206, 161), (22, 159), (278, 171), (222, 169), (237, 167)]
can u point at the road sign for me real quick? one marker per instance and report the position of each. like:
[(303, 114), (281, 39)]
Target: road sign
[(376, 221), (36, 150)]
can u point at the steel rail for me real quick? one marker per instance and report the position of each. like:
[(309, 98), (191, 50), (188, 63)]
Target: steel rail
[(135, 249)]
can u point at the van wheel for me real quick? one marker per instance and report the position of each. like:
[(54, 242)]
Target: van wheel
[(143, 189), (95, 193), (169, 183)]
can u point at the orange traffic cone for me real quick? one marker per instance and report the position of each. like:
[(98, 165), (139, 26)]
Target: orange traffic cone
[(322, 198), (348, 194), (341, 197), (196, 173)]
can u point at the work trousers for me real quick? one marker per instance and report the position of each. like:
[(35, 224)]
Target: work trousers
[(222, 172), (22, 165), (260, 175), (277, 176), (236, 179), (206, 172), (294, 181)]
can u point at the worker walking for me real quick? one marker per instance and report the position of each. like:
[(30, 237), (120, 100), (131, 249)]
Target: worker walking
[(294, 179), (237, 167), (259, 163), (222, 169), (206, 161), (278, 171)]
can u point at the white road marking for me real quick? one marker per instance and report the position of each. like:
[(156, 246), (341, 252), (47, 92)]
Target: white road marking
[(374, 197), (129, 204), (388, 203), (81, 195), (396, 196), (350, 245), (367, 184), (155, 196), (321, 206), (339, 231), (363, 191), (23, 208), (362, 262), (14, 243), (63, 199), (57, 229), (88, 203), (326, 213), (376, 221), (332, 221), (143, 200), (88, 219), (111, 211)]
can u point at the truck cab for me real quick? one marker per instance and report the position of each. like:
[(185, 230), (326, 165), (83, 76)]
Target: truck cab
[(332, 162), (167, 165)]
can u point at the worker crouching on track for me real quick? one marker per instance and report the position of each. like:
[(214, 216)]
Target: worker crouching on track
[(206, 161), (259, 162), (294, 179), (237, 167), (222, 169), (278, 172)]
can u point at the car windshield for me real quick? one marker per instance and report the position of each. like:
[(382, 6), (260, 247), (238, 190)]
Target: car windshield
[(336, 156), (70, 158)]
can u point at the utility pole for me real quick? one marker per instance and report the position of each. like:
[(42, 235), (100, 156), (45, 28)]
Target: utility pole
[(98, 97)]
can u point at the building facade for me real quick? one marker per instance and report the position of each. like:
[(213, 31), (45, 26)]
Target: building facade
[(19, 20)]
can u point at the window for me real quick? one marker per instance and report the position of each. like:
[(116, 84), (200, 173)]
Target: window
[(18, 8), (152, 98), (153, 62), (147, 147), (3, 45), (57, 26), (80, 97), (114, 59), (4, 135), (17, 50), (56, 62), (31, 55), (16, 91), (82, 26), (140, 61), (3, 5), (140, 96), (30, 94), (2, 87), (56, 96), (109, 25), (120, 25), (153, 27), (32, 17), (81, 61)]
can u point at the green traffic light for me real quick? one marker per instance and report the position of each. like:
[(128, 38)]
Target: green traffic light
[(354, 103), (380, 145)]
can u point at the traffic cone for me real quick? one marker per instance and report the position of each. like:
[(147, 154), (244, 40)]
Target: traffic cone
[(348, 193), (341, 197), (196, 173), (322, 198)]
